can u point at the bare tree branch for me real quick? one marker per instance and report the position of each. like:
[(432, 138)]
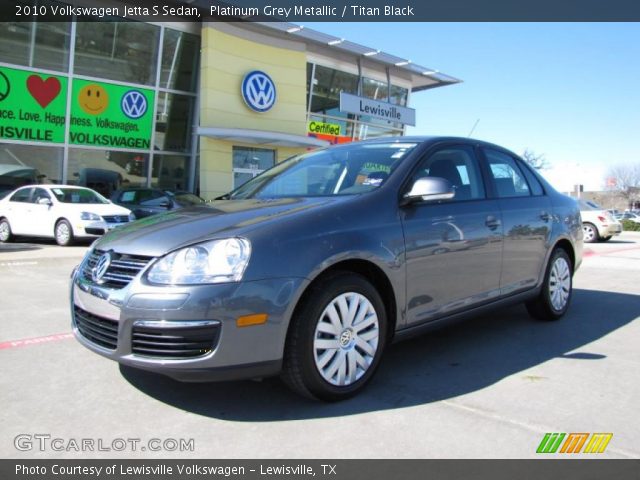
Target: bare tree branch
[(537, 161), (625, 179)]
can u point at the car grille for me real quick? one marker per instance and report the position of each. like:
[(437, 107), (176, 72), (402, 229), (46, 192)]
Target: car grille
[(121, 271), (98, 330), (116, 218), (174, 342)]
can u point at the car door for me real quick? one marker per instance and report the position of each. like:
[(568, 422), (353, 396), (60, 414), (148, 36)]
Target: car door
[(453, 247), (18, 211), (41, 215), (526, 216)]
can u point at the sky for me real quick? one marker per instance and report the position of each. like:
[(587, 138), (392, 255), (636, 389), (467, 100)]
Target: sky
[(569, 91)]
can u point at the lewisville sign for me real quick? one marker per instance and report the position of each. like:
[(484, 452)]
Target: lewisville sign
[(33, 108), (374, 108)]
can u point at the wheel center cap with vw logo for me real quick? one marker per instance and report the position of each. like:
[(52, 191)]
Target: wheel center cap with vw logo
[(258, 91), (101, 268)]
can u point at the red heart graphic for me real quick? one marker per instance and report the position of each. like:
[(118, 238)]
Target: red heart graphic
[(43, 91)]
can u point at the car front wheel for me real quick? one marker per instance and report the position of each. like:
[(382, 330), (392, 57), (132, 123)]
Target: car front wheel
[(590, 233), (555, 296), (5, 231), (336, 339), (63, 233)]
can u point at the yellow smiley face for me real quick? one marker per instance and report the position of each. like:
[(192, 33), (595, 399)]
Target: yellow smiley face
[(93, 99)]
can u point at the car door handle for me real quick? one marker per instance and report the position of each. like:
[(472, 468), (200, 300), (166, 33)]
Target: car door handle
[(492, 222), (545, 216)]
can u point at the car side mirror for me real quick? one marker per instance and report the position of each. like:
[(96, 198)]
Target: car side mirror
[(429, 189), (44, 201)]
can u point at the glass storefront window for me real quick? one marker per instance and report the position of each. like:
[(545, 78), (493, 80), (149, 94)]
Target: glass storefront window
[(123, 51), (250, 162), (173, 122), (327, 85), (180, 52), (364, 131), (399, 95), (38, 45), (28, 164), (170, 172), (105, 171), (374, 89)]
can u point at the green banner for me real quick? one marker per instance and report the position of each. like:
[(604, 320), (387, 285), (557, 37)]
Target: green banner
[(111, 116), (32, 106)]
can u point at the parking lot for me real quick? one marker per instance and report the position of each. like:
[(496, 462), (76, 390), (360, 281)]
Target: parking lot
[(488, 388)]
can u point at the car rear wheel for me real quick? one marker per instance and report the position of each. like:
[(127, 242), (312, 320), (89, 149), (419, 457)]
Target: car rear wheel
[(555, 296), (590, 233), (63, 233), (336, 339), (5, 231)]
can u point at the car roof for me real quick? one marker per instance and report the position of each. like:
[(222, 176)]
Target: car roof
[(425, 139)]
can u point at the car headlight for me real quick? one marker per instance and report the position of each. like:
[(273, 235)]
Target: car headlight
[(90, 216), (216, 261), (132, 217)]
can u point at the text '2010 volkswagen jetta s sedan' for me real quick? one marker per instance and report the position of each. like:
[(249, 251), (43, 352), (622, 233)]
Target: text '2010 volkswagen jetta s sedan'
[(310, 269)]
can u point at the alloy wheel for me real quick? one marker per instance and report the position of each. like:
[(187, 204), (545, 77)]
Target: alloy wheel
[(589, 233), (5, 231), (62, 233)]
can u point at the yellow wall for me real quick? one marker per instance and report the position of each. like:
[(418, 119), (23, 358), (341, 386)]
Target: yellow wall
[(225, 60)]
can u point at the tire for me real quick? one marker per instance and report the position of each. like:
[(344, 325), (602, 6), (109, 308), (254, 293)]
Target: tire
[(352, 355), (5, 231), (555, 296), (605, 239), (63, 233), (590, 233)]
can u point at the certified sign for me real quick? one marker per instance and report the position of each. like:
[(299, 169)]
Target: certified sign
[(258, 91)]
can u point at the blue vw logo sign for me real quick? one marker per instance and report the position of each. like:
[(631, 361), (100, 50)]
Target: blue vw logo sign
[(258, 91), (133, 104)]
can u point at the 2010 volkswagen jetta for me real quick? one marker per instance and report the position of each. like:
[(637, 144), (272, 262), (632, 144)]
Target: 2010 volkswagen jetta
[(310, 269)]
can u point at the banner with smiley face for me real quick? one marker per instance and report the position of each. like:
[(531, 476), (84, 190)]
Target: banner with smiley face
[(110, 115)]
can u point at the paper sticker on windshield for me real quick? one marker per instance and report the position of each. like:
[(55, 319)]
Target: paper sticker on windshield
[(57, 191), (128, 196)]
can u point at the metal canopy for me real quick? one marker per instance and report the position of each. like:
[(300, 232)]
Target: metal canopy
[(260, 137), (422, 77)]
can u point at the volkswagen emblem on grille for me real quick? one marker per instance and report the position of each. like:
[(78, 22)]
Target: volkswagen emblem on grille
[(101, 268)]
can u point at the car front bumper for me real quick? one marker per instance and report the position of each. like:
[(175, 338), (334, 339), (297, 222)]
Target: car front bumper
[(150, 327), (94, 228)]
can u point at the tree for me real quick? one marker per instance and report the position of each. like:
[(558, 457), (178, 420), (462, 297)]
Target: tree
[(625, 179), (536, 161)]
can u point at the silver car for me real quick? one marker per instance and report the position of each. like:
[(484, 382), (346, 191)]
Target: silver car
[(312, 268), (598, 224)]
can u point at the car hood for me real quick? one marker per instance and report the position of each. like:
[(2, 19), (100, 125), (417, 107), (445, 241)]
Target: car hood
[(97, 208), (159, 234)]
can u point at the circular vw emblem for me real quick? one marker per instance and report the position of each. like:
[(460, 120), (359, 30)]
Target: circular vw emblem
[(101, 268), (133, 104), (258, 91), (345, 338)]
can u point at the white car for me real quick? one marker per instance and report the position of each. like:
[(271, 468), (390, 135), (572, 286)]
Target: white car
[(598, 225), (64, 212)]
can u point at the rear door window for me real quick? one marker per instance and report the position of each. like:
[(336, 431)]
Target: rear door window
[(507, 176), (21, 195)]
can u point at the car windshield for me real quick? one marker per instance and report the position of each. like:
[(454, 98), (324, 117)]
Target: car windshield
[(346, 170), (78, 195)]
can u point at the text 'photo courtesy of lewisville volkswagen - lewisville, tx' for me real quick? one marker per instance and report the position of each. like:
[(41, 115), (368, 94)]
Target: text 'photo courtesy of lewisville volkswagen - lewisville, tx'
[(270, 232)]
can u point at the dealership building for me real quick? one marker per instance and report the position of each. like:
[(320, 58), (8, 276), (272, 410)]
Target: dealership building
[(188, 106)]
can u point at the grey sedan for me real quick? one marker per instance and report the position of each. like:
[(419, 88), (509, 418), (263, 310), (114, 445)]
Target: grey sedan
[(312, 268)]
